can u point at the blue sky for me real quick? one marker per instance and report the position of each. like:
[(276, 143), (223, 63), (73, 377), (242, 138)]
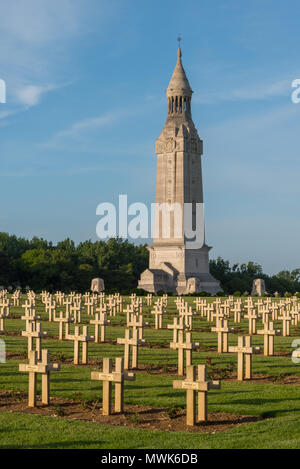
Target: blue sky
[(86, 84)]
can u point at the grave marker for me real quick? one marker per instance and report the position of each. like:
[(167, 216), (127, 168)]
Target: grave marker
[(245, 352), (44, 367), (78, 338), (269, 332), (3, 315), (182, 346), (200, 385), (34, 331), (285, 317), (252, 318), (131, 342), (178, 325), (222, 330), (63, 320), (75, 309), (108, 377), (100, 321), (136, 321), (158, 313)]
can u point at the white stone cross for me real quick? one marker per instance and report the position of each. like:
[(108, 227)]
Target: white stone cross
[(108, 377), (200, 385), (44, 367)]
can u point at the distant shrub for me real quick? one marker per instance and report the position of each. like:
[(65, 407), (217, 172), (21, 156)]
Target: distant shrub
[(139, 291), (287, 294), (220, 293), (204, 293), (111, 291), (160, 293), (237, 293)]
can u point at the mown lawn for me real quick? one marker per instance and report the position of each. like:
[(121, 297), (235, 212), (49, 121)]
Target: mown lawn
[(33, 431)]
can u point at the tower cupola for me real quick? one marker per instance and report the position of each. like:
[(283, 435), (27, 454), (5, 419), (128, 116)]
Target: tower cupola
[(179, 92)]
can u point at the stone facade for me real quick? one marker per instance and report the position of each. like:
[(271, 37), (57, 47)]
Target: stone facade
[(173, 266)]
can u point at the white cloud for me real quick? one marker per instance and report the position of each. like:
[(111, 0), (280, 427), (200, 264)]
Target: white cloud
[(4, 114), (79, 129), (91, 123), (35, 40), (39, 21), (30, 95), (30, 29)]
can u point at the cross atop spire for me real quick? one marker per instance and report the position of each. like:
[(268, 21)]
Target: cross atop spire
[(179, 49)]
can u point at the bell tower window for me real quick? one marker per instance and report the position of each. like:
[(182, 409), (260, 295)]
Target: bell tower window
[(185, 105)]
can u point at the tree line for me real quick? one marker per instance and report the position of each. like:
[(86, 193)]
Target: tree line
[(68, 267)]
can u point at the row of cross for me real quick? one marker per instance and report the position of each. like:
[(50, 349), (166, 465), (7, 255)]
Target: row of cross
[(196, 377)]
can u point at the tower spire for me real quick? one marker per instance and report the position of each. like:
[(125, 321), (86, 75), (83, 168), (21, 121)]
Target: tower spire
[(179, 91)]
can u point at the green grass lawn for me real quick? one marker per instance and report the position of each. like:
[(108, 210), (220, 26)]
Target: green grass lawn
[(32, 431), (278, 404)]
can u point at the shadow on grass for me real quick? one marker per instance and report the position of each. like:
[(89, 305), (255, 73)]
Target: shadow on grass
[(277, 413), (261, 401)]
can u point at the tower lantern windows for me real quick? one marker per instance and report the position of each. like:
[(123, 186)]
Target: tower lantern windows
[(177, 104)]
